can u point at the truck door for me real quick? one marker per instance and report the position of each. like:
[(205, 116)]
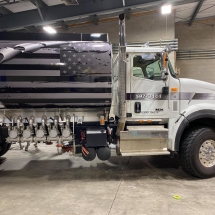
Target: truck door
[(145, 96)]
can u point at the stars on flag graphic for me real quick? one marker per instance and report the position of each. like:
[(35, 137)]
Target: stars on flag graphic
[(85, 57)]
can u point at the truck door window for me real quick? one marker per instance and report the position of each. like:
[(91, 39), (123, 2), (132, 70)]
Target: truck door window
[(147, 68), (137, 72)]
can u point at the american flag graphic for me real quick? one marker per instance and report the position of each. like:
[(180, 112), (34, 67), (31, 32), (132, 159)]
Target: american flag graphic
[(85, 58), (66, 74)]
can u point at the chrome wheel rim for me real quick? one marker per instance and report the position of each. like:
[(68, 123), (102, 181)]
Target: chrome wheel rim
[(207, 153)]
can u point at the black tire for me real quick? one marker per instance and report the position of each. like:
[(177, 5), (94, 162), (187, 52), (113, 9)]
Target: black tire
[(88, 154), (103, 153), (4, 146), (4, 149), (190, 152)]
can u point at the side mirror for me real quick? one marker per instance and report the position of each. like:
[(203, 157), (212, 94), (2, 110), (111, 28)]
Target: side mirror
[(150, 72)]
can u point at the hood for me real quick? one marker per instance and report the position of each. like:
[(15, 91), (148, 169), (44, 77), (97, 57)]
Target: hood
[(191, 85)]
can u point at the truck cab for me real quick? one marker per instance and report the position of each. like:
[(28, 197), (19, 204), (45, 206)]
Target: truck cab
[(164, 114)]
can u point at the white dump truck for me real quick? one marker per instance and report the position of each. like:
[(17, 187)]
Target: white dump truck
[(66, 89)]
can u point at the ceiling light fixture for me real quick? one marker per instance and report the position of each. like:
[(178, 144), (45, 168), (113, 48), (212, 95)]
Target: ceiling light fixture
[(166, 9), (49, 30), (95, 35)]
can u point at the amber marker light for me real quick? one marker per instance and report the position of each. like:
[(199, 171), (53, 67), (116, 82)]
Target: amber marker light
[(174, 89), (102, 120)]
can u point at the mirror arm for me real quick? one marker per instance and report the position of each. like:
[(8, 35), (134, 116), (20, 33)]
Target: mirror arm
[(164, 70)]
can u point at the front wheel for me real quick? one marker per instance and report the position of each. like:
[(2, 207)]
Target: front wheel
[(4, 148), (197, 152)]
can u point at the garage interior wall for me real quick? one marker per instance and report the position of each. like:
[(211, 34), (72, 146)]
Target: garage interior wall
[(200, 36), (150, 26)]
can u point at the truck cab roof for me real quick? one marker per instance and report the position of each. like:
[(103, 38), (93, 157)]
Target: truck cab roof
[(138, 49)]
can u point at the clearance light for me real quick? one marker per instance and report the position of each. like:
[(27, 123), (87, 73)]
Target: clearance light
[(102, 120), (49, 30), (174, 89), (166, 9)]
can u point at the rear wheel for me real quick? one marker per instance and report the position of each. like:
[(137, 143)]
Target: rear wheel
[(88, 154), (197, 152), (103, 153)]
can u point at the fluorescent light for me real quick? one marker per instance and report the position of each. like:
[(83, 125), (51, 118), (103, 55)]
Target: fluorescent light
[(95, 35), (49, 29), (166, 9)]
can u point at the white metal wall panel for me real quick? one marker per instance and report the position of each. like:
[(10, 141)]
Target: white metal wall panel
[(207, 9), (184, 12)]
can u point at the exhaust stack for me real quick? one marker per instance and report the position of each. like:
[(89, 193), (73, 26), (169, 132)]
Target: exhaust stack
[(122, 74)]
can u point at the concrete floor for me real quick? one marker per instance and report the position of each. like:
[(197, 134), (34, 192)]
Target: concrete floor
[(42, 182)]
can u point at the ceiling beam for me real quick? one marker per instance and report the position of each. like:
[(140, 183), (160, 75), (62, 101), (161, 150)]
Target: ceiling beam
[(107, 19), (196, 12), (39, 2), (39, 10), (62, 12), (31, 29), (61, 24)]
